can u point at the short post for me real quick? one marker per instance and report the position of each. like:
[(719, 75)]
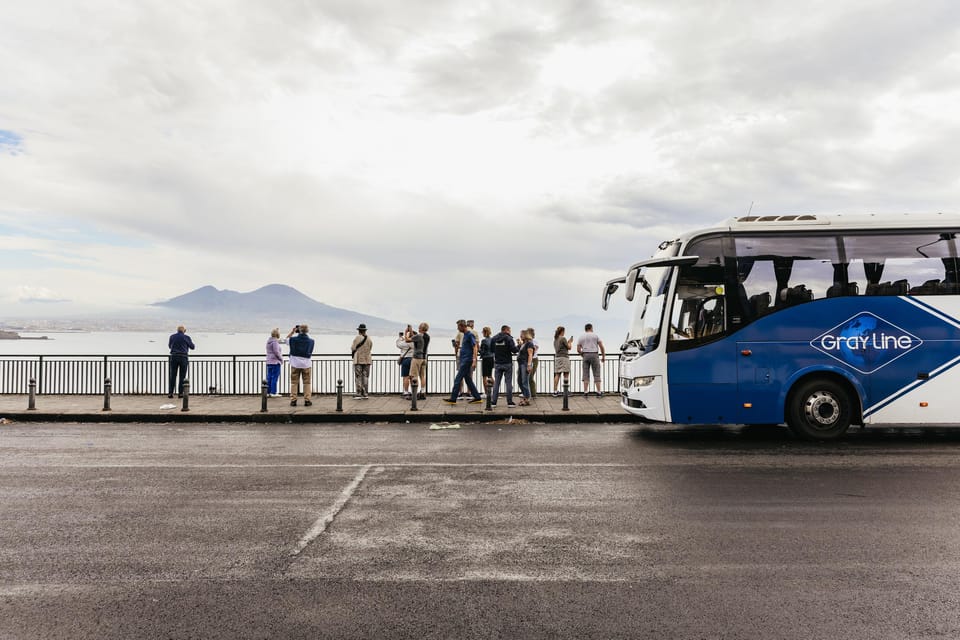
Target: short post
[(566, 395), (186, 396), (488, 389), (413, 394), (32, 401), (107, 389), (340, 395), (263, 396)]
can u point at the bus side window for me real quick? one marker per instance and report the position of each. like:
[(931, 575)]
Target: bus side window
[(698, 313)]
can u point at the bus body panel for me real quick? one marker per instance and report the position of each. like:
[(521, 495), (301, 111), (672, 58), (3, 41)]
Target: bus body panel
[(746, 377)]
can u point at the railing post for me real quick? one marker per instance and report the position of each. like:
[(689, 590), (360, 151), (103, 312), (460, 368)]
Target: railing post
[(340, 395), (566, 394), (107, 389), (39, 380), (413, 394), (186, 395), (32, 400), (263, 397), (233, 380)]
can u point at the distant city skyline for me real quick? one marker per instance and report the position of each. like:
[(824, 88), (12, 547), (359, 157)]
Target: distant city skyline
[(436, 160)]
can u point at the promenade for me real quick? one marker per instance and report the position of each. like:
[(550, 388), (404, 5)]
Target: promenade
[(247, 408)]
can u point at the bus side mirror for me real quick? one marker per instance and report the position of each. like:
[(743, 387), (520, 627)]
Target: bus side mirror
[(608, 291), (632, 283)]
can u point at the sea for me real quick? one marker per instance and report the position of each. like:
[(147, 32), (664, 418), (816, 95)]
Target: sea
[(137, 343)]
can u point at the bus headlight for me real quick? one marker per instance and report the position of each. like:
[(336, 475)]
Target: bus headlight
[(639, 381)]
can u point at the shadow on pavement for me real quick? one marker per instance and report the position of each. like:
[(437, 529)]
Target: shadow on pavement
[(696, 436)]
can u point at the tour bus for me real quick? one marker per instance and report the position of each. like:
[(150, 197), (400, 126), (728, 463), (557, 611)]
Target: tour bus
[(816, 321)]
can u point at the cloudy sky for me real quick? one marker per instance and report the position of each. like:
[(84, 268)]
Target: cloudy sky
[(416, 159)]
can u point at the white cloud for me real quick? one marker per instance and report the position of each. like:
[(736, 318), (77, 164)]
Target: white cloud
[(415, 160)]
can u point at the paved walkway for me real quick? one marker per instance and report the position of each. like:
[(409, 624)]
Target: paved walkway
[(385, 408)]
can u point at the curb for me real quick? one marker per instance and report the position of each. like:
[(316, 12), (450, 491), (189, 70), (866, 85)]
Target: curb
[(313, 418)]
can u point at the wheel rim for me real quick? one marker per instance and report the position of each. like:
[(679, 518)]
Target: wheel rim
[(822, 410)]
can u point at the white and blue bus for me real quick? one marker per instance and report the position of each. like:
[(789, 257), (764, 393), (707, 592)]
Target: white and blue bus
[(816, 321)]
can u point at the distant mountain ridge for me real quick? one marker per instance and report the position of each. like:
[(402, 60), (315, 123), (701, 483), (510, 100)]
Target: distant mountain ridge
[(271, 305)]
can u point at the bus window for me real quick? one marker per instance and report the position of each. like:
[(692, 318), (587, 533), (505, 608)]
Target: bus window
[(698, 314)]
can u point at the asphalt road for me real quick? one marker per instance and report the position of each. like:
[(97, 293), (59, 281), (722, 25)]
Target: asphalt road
[(514, 531)]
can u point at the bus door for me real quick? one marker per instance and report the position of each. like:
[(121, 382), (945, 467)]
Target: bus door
[(702, 376)]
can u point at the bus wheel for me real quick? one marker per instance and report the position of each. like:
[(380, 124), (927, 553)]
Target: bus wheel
[(819, 409)]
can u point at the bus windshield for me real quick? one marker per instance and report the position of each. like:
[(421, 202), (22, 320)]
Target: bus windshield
[(651, 301)]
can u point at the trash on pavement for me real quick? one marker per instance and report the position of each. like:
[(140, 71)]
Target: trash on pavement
[(443, 425)]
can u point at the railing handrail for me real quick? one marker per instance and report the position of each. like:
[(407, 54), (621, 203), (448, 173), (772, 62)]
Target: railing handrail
[(239, 374)]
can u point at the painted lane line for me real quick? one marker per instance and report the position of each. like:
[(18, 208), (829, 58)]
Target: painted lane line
[(324, 520)]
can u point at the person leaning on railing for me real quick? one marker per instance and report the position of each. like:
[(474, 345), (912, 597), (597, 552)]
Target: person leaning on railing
[(179, 345)]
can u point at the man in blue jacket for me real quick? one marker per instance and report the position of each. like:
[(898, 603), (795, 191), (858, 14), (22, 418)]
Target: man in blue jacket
[(179, 345), (301, 363)]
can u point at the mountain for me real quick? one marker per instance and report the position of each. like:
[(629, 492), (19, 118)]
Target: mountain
[(272, 305)]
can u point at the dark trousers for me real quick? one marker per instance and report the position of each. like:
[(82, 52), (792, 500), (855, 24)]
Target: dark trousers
[(178, 365), (500, 372), (464, 374)]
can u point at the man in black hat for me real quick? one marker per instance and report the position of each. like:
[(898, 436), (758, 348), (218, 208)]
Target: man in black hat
[(362, 351)]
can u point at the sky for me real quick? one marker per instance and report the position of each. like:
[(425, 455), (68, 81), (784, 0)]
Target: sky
[(435, 160)]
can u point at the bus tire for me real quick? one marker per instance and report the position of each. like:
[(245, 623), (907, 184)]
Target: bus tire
[(819, 409)]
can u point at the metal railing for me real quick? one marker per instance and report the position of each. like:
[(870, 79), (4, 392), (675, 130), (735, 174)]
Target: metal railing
[(242, 374)]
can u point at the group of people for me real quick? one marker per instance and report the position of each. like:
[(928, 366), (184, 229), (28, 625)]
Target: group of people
[(301, 363), (495, 353)]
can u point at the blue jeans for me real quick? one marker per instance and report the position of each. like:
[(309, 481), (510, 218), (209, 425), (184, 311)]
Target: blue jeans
[(178, 364), (524, 376), (501, 371), (464, 373), (273, 376)]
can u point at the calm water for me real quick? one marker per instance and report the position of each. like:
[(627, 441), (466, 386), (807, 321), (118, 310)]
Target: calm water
[(148, 343)]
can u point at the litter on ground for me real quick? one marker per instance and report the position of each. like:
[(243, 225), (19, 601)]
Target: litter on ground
[(437, 426), (168, 406)]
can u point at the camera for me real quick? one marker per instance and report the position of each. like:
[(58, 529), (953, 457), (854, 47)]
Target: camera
[(296, 329)]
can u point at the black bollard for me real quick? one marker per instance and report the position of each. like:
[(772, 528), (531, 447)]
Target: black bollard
[(107, 389), (340, 395), (186, 396), (263, 397), (413, 395), (566, 395), (32, 400), (488, 388)]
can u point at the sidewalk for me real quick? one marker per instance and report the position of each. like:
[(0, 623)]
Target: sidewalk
[(384, 408)]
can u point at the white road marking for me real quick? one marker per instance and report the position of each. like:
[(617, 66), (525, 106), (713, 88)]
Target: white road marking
[(324, 521)]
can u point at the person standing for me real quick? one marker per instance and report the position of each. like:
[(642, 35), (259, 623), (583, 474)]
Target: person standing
[(561, 360), (466, 363), (486, 357), (180, 345), (418, 367), (274, 363), (504, 347), (524, 364), (536, 362), (406, 357), (301, 363), (362, 350), (590, 347)]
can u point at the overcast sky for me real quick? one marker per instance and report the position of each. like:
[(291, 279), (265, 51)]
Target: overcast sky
[(433, 160)]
